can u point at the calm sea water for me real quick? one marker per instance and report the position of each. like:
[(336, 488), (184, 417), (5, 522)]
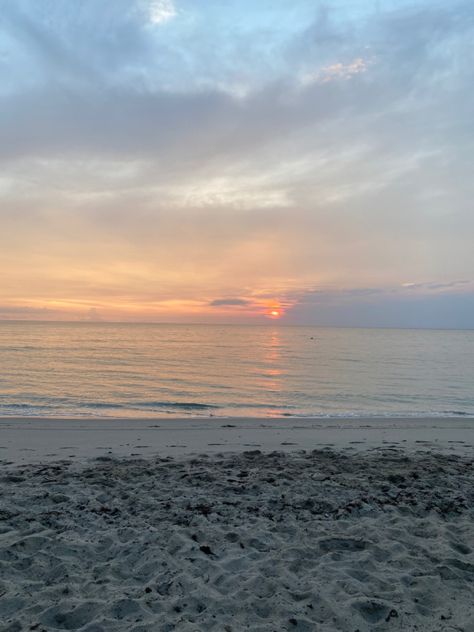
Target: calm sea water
[(121, 370)]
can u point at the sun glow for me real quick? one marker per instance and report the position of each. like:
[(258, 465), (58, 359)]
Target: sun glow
[(275, 313)]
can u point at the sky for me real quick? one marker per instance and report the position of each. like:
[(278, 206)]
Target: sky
[(241, 161)]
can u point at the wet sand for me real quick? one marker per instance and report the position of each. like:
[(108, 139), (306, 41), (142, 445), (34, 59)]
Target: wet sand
[(24, 440)]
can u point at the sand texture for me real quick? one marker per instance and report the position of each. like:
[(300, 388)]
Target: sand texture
[(315, 541)]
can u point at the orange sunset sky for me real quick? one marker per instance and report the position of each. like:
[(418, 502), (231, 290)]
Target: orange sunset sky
[(177, 161)]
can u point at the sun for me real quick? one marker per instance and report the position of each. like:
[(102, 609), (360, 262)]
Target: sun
[(274, 311)]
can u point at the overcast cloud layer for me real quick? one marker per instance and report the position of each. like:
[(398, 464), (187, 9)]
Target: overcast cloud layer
[(209, 161)]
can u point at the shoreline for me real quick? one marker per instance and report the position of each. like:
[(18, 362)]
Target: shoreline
[(35, 439)]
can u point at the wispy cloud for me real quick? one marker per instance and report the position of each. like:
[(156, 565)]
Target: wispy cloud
[(26, 312), (434, 285), (161, 11), (337, 70), (239, 302)]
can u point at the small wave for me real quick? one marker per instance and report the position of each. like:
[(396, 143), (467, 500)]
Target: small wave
[(178, 405), (29, 406), (99, 405), (428, 414), (262, 406), (147, 405), (17, 409), (52, 407)]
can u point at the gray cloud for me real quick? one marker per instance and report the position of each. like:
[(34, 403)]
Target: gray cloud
[(386, 308), (228, 301), (11, 312), (132, 117), (436, 286)]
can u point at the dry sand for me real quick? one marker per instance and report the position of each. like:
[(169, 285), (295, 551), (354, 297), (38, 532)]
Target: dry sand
[(354, 537)]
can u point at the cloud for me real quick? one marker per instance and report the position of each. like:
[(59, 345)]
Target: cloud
[(337, 70), (25, 312), (386, 307), (433, 285), (94, 315), (203, 125), (218, 302), (161, 11)]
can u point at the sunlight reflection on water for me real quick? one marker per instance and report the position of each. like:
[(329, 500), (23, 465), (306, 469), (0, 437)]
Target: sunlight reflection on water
[(122, 370)]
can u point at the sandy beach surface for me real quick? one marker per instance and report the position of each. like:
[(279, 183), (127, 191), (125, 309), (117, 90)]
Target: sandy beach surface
[(228, 525), (33, 439)]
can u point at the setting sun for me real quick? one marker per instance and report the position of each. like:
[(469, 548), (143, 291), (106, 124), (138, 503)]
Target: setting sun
[(275, 313)]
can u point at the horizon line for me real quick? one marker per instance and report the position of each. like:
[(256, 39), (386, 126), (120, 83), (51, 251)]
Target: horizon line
[(272, 323)]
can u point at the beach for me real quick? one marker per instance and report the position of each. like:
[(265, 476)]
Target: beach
[(346, 525), (236, 316)]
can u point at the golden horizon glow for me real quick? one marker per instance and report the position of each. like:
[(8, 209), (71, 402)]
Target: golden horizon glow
[(128, 308)]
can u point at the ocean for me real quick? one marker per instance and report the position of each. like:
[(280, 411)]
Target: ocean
[(148, 370)]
